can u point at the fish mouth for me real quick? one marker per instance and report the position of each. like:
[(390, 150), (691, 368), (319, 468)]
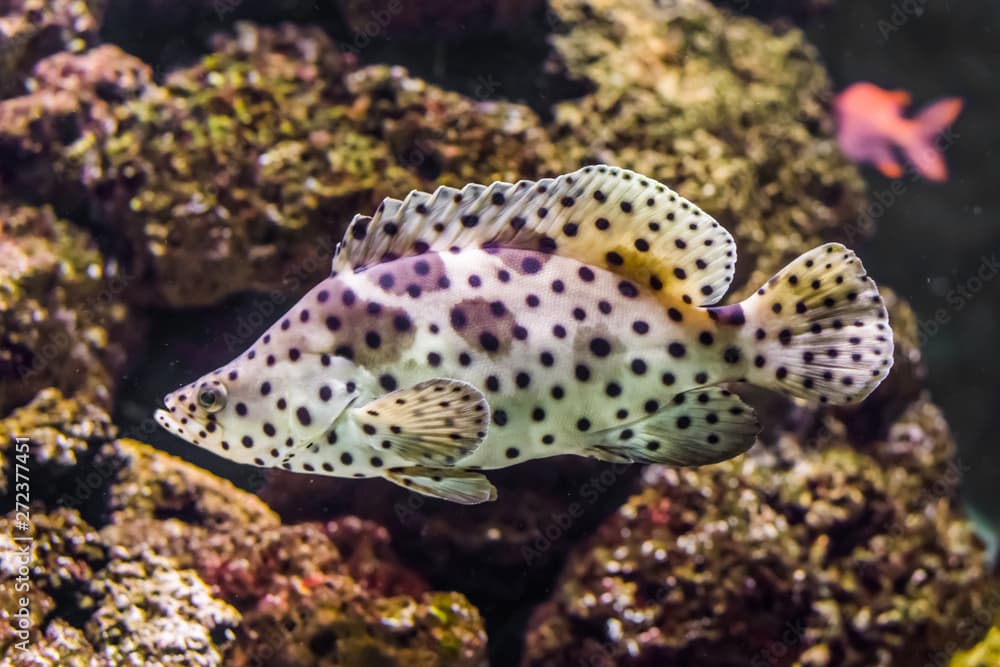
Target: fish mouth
[(165, 420)]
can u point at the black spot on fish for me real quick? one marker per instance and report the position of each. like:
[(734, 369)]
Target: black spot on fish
[(627, 289), (531, 265), (302, 414)]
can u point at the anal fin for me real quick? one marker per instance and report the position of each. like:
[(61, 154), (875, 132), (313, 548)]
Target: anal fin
[(458, 486), (696, 428), (433, 423)]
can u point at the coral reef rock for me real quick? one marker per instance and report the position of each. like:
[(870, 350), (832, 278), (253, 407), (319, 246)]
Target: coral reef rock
[(150, 608), (62, 319), (33, 29), (251, 161), (145, 608), (984, 654)]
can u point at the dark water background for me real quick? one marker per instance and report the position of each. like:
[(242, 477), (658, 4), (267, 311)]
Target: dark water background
[(936, 245)]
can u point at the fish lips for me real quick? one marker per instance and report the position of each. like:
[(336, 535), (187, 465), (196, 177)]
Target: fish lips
[(166, 420)]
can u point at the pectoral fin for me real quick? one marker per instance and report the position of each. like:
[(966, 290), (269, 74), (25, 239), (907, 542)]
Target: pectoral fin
[(434, 423)]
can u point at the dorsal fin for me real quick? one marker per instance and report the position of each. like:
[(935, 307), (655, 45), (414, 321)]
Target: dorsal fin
[(600, 215)]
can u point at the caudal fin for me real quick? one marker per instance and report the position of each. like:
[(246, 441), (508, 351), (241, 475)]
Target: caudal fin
[(921, 150), (819, 329)]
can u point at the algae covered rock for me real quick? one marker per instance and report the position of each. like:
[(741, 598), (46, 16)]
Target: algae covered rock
[(984, 654), (830, 558), (58, 432), (333, 622), (317, 593), (62, 319), (150, 483), (33, 29), (254, 159), (83, 599), (147, 607)]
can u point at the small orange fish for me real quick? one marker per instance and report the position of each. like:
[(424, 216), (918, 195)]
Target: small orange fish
[(870, 123)]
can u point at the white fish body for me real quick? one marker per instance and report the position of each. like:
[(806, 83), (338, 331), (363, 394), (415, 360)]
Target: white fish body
[(475, 329)]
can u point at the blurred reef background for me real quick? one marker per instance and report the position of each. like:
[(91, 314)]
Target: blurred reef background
[(173, 175)]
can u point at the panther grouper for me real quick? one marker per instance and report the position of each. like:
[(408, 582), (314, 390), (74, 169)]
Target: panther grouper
[(473, 329)]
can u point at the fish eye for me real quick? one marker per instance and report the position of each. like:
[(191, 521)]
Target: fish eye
[(212, 399)]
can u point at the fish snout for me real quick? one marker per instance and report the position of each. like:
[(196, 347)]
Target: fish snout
[(174, 417), (166, 420)]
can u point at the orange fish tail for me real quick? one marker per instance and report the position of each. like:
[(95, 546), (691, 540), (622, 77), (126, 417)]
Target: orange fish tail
[(936, 117), (922, 150)]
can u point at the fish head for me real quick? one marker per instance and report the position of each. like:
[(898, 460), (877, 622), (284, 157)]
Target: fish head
[(197, 412), (247, 411)]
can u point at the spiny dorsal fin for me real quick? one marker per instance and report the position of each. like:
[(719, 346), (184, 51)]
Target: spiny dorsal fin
[(434, 423), (600, 215)]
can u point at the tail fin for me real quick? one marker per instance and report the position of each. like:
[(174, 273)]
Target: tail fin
[(819, 329), (930, 122)]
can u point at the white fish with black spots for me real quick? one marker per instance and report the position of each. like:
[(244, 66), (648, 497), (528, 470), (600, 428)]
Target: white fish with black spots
[(473, 329)]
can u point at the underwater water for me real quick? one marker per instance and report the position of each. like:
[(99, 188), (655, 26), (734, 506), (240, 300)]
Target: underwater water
[(562, 333)]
